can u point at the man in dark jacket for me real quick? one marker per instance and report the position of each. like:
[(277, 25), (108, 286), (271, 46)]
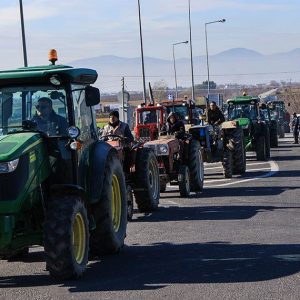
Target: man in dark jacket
[(115, 126), (47, 120), (215, 116), (295, 127), (173, 124)]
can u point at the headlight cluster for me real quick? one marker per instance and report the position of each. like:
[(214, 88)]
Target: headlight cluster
[(9, 166), (163, 149)]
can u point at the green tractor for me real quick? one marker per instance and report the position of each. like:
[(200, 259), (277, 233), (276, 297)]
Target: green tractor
[(247, 113), (278, 113), (60, 186)]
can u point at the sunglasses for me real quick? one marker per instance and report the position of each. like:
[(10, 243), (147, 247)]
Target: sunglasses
[(42, 106)]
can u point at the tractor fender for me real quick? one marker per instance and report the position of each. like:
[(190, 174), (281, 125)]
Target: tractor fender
[(98, 157)]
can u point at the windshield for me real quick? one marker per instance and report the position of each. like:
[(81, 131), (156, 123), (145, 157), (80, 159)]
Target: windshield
[(277, 111), (264, 114), (236, 111), (180, 110), (149, 116), (44, 105)]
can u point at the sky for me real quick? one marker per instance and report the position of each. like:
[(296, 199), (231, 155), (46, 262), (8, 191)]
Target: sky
[(82, 29)]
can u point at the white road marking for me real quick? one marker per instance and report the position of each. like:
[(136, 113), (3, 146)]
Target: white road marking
[(274, 169), (172, 202), (248, 164), (217, 180)]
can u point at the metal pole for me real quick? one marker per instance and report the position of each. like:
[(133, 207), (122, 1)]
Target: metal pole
[(176, 90), (191, 50), (174, 64), (23, 35), (123, 100), (142, 55), (207, 64)]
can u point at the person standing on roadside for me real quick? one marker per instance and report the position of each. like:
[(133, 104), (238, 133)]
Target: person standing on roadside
[(295, 127)]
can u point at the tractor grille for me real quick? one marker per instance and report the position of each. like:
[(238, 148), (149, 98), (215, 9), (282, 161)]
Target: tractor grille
[(144, 132), (11, 184)]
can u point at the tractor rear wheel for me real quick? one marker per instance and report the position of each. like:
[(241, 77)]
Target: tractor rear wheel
[(196, 166), (66, 237), (227, 163), (261, 148), (110, 212), (184, 181), (147, 181), (163, 186), (130, 206), (238, 152), (274, 138)]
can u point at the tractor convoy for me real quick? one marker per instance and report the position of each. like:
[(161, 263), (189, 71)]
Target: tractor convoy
[(64, 187)]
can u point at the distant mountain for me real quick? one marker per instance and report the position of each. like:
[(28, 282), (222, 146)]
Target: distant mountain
[(237, 65)]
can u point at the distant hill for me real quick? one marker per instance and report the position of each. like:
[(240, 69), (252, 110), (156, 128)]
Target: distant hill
[(237, 65)]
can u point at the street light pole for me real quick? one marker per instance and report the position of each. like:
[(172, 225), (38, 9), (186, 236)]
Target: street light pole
[(174, 64), (191, 50), (23, 34), (142, 55), (207, 64)]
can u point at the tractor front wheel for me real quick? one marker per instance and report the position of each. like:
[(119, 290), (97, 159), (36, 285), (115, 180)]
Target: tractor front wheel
[(184, 181), (110, 212), (66, 237), (147, 181)]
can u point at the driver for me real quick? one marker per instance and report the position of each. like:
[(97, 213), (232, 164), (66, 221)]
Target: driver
[(215, 116), (115, 126), (174, 124), (47, 120)]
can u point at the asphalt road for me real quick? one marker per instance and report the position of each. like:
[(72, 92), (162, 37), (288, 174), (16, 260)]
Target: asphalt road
[(239, 239)]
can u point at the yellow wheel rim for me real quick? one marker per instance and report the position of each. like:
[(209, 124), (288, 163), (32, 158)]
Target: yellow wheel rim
[(79, 238), (116, 203)]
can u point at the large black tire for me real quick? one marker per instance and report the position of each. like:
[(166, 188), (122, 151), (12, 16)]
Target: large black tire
[(268, 143), (110, 213), (163, 186), (261, 148), (147, 181), (273, 138), (66, 237), (238, 152), (130, 203), (196, 166), (184, 181), (281, 131), (227, 163)]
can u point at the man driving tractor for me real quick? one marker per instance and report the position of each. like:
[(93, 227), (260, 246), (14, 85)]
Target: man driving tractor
[(117, 127)]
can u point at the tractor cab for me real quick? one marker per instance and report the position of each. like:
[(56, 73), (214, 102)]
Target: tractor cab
[(187, 111), (149, 121)]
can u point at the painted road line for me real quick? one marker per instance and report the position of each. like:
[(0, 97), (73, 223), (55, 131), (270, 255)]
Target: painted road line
[(217, 180), (273, 171), (260, 169)]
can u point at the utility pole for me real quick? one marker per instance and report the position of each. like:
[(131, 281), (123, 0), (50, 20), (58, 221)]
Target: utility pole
[(191, 51), (123, 99), (23, 34), (142, 54)]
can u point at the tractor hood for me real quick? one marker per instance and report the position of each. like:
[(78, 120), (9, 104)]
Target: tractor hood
[(243, 121), (12, 146)]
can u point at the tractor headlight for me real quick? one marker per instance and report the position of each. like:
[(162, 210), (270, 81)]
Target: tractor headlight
[(163, 149), (73, 132), (9, 166)]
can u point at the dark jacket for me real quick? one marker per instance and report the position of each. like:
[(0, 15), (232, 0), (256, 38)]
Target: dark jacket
[(55, 125), (175, 127), (215, 116)]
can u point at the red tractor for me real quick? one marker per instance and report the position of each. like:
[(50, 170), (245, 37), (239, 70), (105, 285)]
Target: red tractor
[(179, 158), (140, 167)]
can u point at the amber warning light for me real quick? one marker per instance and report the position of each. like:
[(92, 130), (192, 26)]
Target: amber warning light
[(52, 56)]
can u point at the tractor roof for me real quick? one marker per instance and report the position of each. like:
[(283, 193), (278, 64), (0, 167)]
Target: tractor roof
[(42, 74), (243, 100)]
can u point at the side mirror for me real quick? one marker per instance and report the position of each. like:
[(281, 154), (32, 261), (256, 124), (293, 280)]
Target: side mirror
[(92, 96), (289, 104)]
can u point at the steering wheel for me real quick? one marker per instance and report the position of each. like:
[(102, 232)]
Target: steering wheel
[(107, 136)]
